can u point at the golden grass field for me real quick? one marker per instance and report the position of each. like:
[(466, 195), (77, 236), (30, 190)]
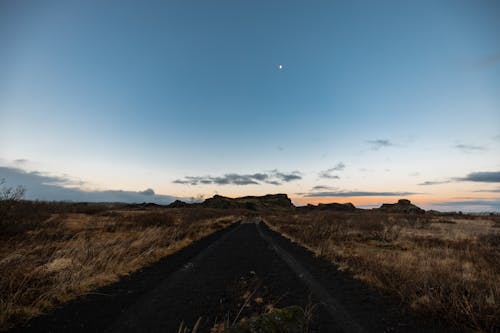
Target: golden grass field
[(444, 266), (68, 254)]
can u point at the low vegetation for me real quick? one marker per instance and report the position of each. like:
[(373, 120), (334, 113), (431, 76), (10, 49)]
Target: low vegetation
[(255, 309), (443, 266), (53, 252)]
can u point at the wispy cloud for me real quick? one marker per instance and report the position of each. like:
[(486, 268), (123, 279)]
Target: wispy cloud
[(224, 180), (41, 186), (466, 148), (470, 205), (495, 190), (328, 175), (439, 182), (329, 172), (322, 188), (273, 177), (20, 161), (379, 143), (286, 177), (482, 177), (357, 194)]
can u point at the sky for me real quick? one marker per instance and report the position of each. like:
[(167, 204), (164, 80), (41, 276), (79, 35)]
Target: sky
[(327, 101)]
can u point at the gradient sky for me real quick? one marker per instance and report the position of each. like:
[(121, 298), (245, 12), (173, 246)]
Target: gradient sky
[(376, 100)]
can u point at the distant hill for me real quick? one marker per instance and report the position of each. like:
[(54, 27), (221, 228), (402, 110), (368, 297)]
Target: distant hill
[(280, 201), (402, 206)]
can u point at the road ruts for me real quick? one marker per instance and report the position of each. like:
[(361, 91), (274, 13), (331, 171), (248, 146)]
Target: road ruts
[(196, 286)]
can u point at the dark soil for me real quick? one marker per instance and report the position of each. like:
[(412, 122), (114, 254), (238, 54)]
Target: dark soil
[(213, 279)]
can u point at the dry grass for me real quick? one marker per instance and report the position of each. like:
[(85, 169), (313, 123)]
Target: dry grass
[(66, 251), (444, 267), (252, 299)]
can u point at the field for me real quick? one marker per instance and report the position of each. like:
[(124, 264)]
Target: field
[(442, 266), (51, 253)]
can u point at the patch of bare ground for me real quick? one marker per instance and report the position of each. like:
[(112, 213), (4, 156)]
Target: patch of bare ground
[(444, 267), (51, 253)]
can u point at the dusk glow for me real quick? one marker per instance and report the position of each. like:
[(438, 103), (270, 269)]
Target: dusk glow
[(337, 101)]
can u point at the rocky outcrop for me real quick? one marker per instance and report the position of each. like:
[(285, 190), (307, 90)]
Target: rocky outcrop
[(337, 206), (402, 206), (249, 202), (178, 204), (220, 202), (343, 207), (269, 201)]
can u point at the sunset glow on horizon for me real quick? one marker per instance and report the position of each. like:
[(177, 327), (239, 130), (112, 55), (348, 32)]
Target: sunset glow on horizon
[(363, 102)]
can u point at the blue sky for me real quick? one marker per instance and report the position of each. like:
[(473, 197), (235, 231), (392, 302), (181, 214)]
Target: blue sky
[(187, 98)]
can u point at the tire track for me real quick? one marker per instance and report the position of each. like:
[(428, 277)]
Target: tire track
[(200, 288), (334, 308)]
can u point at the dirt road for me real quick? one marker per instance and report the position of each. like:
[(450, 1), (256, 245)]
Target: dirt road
[(211, 279)]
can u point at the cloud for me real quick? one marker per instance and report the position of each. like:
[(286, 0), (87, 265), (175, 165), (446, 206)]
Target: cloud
[(477, 205), (328, 173), (468, 148), (322, 187), (482, 176), (273, 177), (149, 191), (20, 161), (495, 190), (379, 143), (295, 175), (357, 194), (339, 167), (40, 186), (435, 182)]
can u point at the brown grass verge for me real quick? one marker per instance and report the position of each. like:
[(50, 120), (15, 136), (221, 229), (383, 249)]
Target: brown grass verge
[(54, 253), (448, 271)]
